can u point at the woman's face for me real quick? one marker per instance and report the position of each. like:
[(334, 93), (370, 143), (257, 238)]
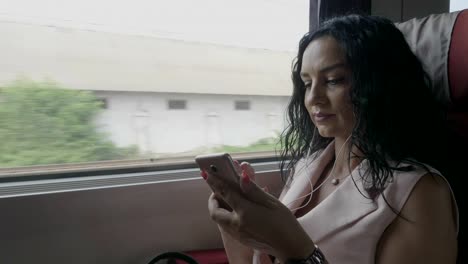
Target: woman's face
[(327, 79)]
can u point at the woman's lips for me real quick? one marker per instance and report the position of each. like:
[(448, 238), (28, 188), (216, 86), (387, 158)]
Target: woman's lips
[(320, 117)]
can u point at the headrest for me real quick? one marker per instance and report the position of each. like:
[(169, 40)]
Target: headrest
[(441, 43)]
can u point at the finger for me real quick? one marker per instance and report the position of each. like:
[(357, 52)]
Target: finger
[(245, 166), (237, 167), (245, 180), (229, 193), (257, 195), (213, 201), (203, 174), (222, 203), (218, 214)]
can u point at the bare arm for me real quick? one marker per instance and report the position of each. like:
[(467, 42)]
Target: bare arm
[(428, 234), (236, 252)]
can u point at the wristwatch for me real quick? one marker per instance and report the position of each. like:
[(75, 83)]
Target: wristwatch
[(316, 257)]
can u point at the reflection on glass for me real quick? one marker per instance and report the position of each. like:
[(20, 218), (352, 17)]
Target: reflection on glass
[(80, 83)]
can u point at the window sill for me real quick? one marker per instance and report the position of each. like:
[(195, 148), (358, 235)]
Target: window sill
[(115, 167)]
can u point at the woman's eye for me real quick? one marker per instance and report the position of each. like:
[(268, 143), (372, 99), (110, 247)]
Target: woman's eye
[(335, 81), (307, 85)]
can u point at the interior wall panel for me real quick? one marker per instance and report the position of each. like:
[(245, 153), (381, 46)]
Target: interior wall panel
[(402, 10)]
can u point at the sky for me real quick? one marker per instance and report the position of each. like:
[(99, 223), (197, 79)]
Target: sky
[(269, 24)]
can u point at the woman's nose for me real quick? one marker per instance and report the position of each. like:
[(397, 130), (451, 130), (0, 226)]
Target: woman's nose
[(315, 95)]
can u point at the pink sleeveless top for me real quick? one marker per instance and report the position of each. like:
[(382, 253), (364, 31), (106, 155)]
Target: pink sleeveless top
[(346, 225)]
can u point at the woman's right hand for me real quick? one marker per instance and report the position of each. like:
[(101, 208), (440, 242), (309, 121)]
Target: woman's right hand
[(251, 216), (236, 251)]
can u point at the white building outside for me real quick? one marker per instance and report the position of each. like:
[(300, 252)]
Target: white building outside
[(140, 76)]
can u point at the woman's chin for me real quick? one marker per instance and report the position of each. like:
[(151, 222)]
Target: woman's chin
[(326, 133)]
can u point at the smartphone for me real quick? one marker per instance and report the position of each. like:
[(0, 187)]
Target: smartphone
[(219, 165)]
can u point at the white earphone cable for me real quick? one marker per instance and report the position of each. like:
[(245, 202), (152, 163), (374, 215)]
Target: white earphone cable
[(323, 182)]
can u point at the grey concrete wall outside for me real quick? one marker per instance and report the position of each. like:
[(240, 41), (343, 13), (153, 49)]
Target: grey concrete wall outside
[(144, 120)]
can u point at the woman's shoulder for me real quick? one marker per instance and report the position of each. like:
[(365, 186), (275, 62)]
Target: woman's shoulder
[(406, 174), (427, 215), (417, 185), (419, 178)]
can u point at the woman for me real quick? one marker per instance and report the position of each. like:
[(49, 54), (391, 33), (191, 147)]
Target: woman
[(364, 145)]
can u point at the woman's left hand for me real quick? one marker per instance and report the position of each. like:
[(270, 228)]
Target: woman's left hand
[(256, 218)]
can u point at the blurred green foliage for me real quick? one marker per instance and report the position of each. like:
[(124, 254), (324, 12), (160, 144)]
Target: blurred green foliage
[(265, 144), (43, 123)]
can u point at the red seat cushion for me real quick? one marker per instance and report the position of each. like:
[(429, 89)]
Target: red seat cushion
[(458, 79), (211, 256), (458, 117), (458, 62)]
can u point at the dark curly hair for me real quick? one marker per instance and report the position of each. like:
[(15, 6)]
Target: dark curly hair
[(397, 116)]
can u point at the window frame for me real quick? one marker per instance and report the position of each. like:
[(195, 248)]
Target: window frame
[(119, 167), (116, 167)]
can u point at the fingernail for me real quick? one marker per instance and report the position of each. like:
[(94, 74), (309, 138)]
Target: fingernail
[(236, 162), (245, 177), (204, 174), (265, 189)]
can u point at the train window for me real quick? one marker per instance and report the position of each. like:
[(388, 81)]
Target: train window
[(457, 5), (61, 58)]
